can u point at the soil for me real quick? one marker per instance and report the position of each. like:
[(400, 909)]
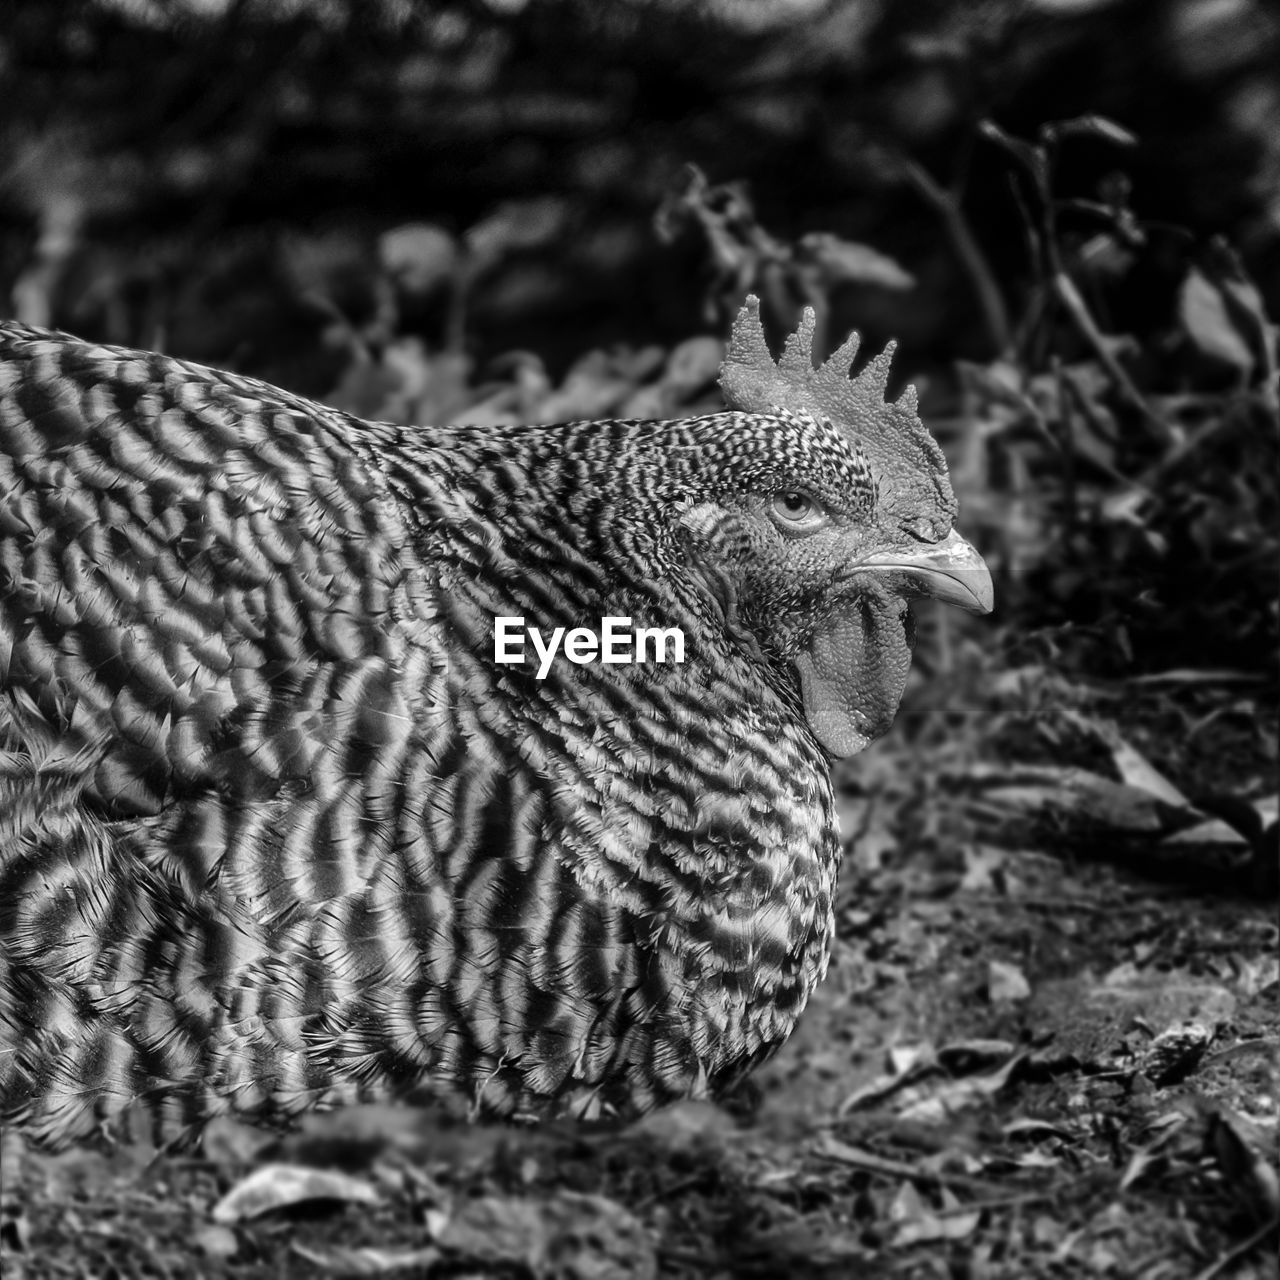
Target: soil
[(1047, 1047)]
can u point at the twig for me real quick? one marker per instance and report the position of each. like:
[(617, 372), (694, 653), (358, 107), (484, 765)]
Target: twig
[(1233, 1255), (1266, 1044), (1064, 289), (676, 1188), (842, 1153), (1182, 448), (1000, 1202), (972, 259)]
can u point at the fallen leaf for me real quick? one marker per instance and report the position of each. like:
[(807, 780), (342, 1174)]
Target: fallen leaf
[(1006, 983), (280, 1186), (367, 1260), (216, 1242), (571, 1235)]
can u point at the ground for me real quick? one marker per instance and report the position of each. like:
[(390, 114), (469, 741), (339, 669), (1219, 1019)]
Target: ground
[(1047, 1046)]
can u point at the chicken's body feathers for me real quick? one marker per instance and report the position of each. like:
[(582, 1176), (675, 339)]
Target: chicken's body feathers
[(275, 830)]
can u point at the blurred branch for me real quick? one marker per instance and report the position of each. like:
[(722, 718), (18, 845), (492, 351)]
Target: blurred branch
[(947, 205), (1038, 160), (1064, 289)]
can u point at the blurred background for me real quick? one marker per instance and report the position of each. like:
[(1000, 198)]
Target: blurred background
[(226, 174), (1066, 212)]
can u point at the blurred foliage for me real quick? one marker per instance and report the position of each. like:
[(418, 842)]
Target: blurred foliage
[(1140, 469), (155, 153), (519, 210)]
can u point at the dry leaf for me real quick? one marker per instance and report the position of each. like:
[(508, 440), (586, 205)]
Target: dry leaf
[(280, 1186)]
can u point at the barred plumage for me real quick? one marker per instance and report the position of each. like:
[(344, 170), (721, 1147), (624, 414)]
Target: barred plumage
[(275, 828)]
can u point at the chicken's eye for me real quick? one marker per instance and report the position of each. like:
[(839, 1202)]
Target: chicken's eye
[(797, 510)]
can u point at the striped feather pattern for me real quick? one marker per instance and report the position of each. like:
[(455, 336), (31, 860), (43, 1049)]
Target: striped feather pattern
[(275, 829)]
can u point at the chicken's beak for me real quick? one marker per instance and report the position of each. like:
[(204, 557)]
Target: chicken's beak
[(950, 571)]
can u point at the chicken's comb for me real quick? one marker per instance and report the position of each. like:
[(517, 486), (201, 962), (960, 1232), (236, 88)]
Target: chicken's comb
[(909, 467)]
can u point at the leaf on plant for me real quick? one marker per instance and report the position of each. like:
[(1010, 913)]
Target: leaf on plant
[(517, 226), (693, 366), (1204, 314), (846, 262), (418, 256), (1029, 156), (1094, 126)]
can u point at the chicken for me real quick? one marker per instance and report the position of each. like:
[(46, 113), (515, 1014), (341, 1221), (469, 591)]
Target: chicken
[(279, 829)]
